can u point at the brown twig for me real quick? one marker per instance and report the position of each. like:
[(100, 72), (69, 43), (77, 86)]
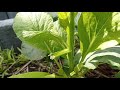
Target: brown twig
[(27, 69), (23, 67), (97, 72), (9, 68)]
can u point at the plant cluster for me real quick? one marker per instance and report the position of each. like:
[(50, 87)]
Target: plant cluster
[(98, 35)]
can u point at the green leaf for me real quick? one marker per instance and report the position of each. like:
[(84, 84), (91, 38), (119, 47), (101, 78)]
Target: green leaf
[(117, 75), (108, 44), (61, 74), (37, 29), (114, 34), (32, 21), (98, 30), (59, 31), (77, 57), (79, 73), (77, 16), (32, 53), (59, 53), (92, 30), (109, 55), (64, 19), (34, 75)]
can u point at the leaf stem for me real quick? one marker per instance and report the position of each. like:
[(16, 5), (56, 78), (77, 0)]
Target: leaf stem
[(70, 42), (56, 61)]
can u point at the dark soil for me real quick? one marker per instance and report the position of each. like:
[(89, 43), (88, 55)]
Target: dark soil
[(31, 66), (102, 71)]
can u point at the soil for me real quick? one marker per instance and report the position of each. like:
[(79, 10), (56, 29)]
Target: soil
[(31, 66), (102, 71)]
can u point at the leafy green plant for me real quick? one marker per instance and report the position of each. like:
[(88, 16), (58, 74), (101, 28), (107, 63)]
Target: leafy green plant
[(34, 75), (98, 34), (6, 56)]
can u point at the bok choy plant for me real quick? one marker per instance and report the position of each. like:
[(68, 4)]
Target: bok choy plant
[(98, 33)]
